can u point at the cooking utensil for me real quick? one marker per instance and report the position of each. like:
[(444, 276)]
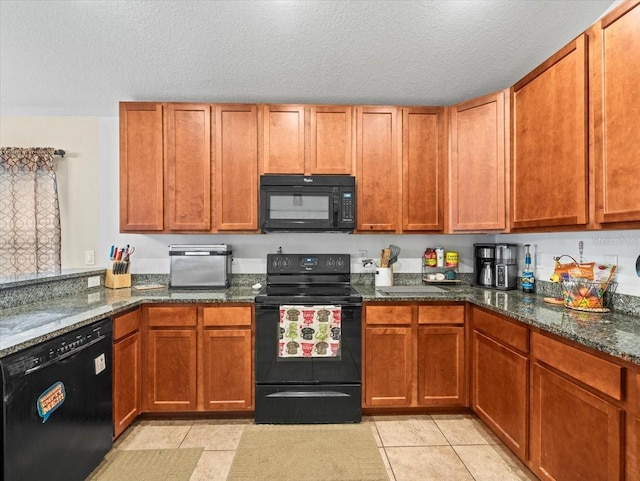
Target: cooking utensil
[(385, 255), (395, 252)]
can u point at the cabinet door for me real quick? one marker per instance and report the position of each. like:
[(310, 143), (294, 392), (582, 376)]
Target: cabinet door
[(633, 428), (574, 434), (330, 139), (227, 377), (424, 140), (141, 167), (171, 370), (236, 167), (615, 93), (441, 379), (283, 139), (126, 382), (549, 168), (188, 153), (478, 148), (500, 389), (388, 371), (378, 172)]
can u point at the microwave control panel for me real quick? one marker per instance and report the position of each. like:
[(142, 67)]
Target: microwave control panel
[(347, 203)]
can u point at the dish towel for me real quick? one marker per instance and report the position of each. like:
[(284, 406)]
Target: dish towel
[(310, 331)]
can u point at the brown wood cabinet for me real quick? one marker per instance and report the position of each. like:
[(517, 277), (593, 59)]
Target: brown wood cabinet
[(235, 134), (414, 355), (633, 427), (127, 370), (170, 373), (549, 167), (479, 163), (424, 150), (576, 427), (141, 167), (378, 169), (227, 358), (501, 377), (308, 139), (188, 167), (615, 95)]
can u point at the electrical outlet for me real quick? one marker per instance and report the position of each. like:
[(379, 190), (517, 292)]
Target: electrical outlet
[(89, 258), (363, 254), (93, 281)]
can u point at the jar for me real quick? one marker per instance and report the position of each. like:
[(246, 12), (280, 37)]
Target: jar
[(451, 259), (430, 257)]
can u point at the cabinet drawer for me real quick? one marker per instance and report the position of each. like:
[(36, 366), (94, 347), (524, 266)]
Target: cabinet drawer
[(172, 316), (126, 324), (498, 327), (440, 314), (391, 314), (227, 316), (597, 373)]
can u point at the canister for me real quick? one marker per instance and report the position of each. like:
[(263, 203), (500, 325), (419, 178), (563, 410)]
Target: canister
[(451, 259), (439, 256)]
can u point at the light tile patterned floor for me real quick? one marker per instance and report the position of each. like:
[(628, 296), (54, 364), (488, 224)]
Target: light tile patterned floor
[(413, 447)]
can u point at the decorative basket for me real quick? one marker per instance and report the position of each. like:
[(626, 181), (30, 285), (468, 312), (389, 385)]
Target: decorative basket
[(586, 295)]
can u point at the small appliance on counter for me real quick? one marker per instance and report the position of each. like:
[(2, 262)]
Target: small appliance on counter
[(200, 266), (495, 266)]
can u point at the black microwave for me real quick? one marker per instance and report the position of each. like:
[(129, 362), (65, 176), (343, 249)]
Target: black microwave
[(307, 203)]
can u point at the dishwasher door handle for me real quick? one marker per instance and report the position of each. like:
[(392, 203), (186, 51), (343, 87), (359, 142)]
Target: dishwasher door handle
[(65, 355)]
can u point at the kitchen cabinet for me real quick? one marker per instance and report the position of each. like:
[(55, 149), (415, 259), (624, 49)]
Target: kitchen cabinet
[(479, 163), (141, 167), (188, 167), (633, 427), (127, 370), (615, 95), (235, 134), (227, 358), (308, 139), (441, 356), (424, 150), (378, 169), (576, 427), (170, 373), (549, 167), (500, 377), (414, 355)]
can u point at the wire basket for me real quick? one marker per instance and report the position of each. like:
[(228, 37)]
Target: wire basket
[(587, 295)]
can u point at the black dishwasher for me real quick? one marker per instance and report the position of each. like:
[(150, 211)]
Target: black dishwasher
[(56, 410)]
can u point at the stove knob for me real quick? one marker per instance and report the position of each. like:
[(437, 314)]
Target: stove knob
[(330, 263), (340, 262), (276, 263), (287, 262)]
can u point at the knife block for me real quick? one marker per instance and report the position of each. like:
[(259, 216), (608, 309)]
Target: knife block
[(117, 281)]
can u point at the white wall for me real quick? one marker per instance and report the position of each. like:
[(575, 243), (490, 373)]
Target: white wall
[(90, 204)]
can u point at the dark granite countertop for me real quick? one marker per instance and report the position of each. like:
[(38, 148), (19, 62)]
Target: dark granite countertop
[(612, 333)]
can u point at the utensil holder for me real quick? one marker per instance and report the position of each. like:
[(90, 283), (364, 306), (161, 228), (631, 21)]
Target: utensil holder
[(117, 281), (384, 276)]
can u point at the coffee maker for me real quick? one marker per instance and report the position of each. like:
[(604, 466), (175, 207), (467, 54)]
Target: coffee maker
[(506, 272), (484, 261), (495, 266)]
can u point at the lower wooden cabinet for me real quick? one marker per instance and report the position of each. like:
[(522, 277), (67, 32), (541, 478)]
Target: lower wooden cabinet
[(227, 359), (199, 358), (574, 433), (500, 378), (127, 369), (633, 428), (414, 355)]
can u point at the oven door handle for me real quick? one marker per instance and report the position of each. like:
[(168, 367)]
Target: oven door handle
[(299, 394)]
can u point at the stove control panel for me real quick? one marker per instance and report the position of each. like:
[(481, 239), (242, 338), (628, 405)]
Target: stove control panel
[(308, 263)]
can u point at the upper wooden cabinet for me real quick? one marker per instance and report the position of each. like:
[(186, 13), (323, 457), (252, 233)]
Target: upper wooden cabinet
[(615, 120), (549, 142), (141, 167), (424, 137), (235, 135), (188, 167), (478, 163), (378, 168), (308, 139)]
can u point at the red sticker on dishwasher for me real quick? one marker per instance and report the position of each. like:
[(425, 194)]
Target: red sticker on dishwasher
[(50, 400)]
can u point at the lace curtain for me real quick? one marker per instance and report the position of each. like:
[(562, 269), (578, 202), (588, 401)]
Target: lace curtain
[(29, 212)]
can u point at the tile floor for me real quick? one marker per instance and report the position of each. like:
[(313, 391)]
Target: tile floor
[(434, 447)]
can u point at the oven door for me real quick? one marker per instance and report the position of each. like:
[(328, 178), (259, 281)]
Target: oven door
[(273, 368)]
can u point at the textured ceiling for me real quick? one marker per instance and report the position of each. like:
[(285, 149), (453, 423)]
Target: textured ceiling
[(83, 57)]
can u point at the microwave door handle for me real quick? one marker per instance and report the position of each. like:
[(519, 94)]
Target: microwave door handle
[(335, 214)]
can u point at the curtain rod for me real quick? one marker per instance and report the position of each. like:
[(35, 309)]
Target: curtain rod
[(59, 152)]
